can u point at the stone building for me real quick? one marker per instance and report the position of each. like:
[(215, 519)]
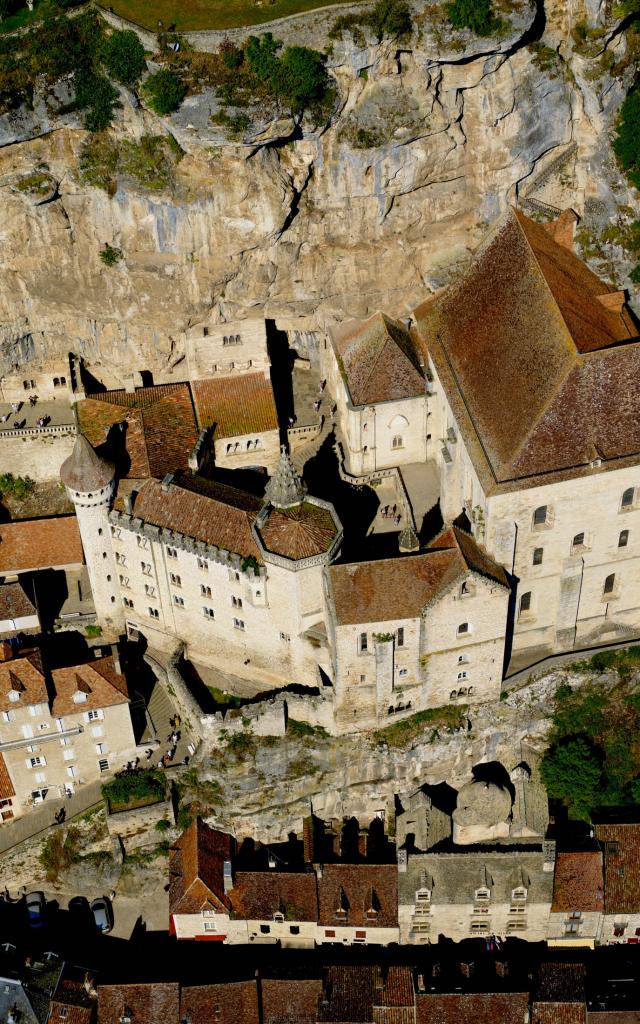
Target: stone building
[(416, 631), (61, 728)]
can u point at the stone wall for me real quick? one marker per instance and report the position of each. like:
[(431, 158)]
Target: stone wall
[(137, 827), (35, 455)]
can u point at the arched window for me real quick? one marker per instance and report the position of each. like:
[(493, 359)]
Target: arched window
[(462, 692), (462, 675), (397, 441), (363, 642), (623, 539), (463, 628), (578, 541), (627, 497), (525, 602), (609, 583), (453, 695), (540, 515)]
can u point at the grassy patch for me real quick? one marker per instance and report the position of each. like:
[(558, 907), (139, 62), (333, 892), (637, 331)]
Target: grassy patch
[(150, 163), (401, 734), (61, 850), (17, 487), (228, 700), (187, 15), (37, 184), (301, 730), (135, 789)]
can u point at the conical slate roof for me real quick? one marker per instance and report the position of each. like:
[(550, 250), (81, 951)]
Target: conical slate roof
[(285, 488), (408, 540), (84, 470)]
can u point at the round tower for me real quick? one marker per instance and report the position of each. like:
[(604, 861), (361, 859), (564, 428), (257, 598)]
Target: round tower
[(90, 484)]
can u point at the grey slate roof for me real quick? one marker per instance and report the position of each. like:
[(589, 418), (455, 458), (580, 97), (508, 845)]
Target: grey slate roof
[(84, 470), (454, 877), (285, 487)]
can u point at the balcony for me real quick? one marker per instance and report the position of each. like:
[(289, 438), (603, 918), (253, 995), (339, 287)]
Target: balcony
[(28, 741)]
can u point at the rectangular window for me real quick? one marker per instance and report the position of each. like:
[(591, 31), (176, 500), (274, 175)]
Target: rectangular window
[(540, 516), (94, 716), (103, 764), (143, 542), (72, 771), (97, 731), (178, 601), (172, 553), (362, 643), (127, 602), (124, 581), (538, 554), (149, 590), (116, 532), (120, 558), (62, 1011), (236, 602), (8, 716), (146, 568), (101, 748), (65, 741), (154, 613), (208, 612), (68, 755), (623, 539), (175, 579), (41, 777), (36, 762), (202, 564), (400, 636), (205, 591), (525, 602), (238, 623)]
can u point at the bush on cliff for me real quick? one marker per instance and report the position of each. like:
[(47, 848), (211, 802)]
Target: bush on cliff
[(164, 91), (626, 144), (123, 57), (476, 15)]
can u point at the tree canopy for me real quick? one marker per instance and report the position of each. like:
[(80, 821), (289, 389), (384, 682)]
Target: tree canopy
[(164, 91), (123, 57), (626, 144), (572, 771), (476, 15)]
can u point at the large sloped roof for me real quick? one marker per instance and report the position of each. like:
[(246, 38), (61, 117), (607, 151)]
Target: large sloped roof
[(84, 470), (40, 544), (236, 406), (537, 357), (377, 360), (160, 428), (399, 588), (196, 869)]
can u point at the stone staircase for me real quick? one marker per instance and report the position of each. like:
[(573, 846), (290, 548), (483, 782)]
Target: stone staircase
[(301, 455), (531, 194)]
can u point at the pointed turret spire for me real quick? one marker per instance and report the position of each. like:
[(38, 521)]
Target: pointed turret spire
[(285, 488), (408, 540), (85, 470)]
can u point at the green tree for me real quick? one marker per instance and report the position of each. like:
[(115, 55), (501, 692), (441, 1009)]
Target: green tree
[(572, 771), (164, 91), (300, 77), (97, 97), (123, 57), (261, 56), (626, 144), (476, 15), (391, 18)]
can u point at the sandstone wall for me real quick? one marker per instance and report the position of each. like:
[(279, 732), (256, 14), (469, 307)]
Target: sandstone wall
[(39, 457)]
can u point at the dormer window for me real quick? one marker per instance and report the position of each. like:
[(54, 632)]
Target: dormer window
[(519, 894), (372, 911), (14, 695), (482, 895), (126, 1017), (466, 589), (463, 629), (79, 697), (278, 916), (342, 910)]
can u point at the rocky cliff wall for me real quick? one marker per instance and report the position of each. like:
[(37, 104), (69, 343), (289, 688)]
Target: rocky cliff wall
[(304, 226)]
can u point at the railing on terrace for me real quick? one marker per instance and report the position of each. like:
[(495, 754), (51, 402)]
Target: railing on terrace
[(35, 741), (54, 428)]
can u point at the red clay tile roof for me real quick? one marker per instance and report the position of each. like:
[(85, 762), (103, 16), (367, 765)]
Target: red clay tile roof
[(151, 1003), (25, 675), (621, 847), (70, 1014), (40, 544), (290, 1000), (6, 785), (196, 870), (614, 1016), (232, 1002), (161, 428), (521, 345), (14, 603), (98, 680), (561, 983), (578, 881), (299, 532), (236, 406), (472, 1008), (367, 993), (219, 515), (359, 888), (377, 360), (399, 588), (559, 1013), (72, 997), (258, 895)]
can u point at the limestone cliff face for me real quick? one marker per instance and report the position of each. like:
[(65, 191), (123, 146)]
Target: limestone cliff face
[(309, 227)]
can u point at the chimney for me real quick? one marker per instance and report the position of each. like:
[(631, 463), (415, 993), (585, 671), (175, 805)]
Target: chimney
[(549, 854), (128, 503), (166, 483), (402, 861), (563, 228), (115, 654), (6, 651), (421, 985), (227, 876)]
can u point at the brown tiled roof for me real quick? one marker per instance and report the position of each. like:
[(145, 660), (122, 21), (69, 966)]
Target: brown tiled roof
[(578, 881), (14, 603), (561, 983), (40, 544), (98, 680), (559, 1013), (363, 887), (526, 351), (377, 360), (222, 516), (196, 870), (472, 1008), (236, 406), (258, 895), (72, 997), (399, 588), (24, 674), (613, 1017), (70, 1014), (299, 532), (367, 993), (160, 430), (232, 1002), (6, 785), (621, 847), (152, 1003), (290, 1000)]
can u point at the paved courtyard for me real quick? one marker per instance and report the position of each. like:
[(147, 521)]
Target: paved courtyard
[(56, 411)]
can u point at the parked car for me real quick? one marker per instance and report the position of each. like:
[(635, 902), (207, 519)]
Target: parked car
[(102, 914), (80, 910), (35, 904)]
